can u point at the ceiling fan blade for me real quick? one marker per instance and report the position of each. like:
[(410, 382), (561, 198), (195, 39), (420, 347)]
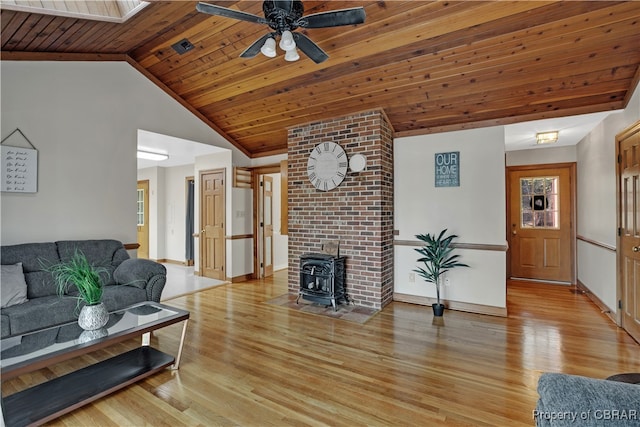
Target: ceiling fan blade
[(333, 18), (309, 48), (212, 9), (254, 49)]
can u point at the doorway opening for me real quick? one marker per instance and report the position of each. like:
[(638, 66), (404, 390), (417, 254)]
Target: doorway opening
[(541, 223), (270, 220), (189, 246), (142, 208)]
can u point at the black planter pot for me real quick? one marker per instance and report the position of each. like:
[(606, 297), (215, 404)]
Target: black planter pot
[(438, 309)]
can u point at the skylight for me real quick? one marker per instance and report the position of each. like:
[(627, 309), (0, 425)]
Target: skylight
[(101, 10)]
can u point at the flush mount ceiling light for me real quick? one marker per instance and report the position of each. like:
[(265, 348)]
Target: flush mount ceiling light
[(546, 137), (150, 155)]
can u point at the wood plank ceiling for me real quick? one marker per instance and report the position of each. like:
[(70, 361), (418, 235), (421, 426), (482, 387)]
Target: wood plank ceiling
[(432, 66)]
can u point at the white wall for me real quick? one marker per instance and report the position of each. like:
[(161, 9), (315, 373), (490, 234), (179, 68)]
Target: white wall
[(83, 118), (475, 211), (597, 203), (539, 156), (175, 185)]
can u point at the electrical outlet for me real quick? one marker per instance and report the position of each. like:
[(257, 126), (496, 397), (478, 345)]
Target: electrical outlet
[(412, 277), (447, 282)]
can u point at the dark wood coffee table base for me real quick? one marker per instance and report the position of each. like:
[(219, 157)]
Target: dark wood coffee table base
[(51, 399)]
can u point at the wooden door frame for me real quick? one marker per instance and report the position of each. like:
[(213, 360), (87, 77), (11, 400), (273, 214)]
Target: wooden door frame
[(255, 178), (147, 183), (634, 128), (266, 269), (572, 166)]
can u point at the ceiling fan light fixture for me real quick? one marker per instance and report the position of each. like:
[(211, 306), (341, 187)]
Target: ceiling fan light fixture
[(286, 41), (269, 48), (283, 17), (546, 137), (291, 55)]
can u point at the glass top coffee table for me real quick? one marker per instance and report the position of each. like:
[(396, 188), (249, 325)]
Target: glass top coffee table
[(21, 354)]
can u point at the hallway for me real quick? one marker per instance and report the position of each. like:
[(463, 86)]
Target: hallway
[(181, 281)]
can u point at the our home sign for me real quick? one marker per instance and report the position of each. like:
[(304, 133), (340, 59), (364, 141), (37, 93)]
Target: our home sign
[(447, 166)]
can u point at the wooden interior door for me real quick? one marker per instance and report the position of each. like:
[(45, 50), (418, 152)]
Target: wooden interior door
[(266, 225), (143, 219), (628, 146), (212, 219), (541, 231)]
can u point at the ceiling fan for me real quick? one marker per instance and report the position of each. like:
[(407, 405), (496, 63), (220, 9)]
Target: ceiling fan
[(284, 17)]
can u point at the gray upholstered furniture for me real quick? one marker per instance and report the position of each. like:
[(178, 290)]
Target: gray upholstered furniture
[(129, 281), (571, 400)]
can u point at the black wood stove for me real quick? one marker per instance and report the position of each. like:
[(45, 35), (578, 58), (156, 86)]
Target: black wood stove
[(322, 279)]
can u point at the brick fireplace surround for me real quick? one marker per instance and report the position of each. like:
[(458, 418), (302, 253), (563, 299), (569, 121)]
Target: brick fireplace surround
[(359, 213)]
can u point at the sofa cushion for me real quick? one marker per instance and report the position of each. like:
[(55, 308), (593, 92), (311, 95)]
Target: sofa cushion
[(13, 288), (105, 253), (33, 256), (40, 313)]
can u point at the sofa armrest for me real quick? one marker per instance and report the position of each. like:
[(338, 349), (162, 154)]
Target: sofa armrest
[(571, 400), (144, 274)]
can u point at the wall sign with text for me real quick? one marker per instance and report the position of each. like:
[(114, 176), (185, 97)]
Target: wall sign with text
[(447, 169), (19, 166)]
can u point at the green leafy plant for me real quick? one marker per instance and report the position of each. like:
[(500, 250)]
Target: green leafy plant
[(437, 258), (79, 272)]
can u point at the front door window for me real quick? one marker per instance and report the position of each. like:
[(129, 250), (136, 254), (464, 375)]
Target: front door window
[(539, 207)]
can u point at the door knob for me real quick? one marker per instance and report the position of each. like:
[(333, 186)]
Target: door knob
[(636, 248), (514, 232), (202, 231)]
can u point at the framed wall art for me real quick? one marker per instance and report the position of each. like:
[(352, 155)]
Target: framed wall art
[(19, 167)]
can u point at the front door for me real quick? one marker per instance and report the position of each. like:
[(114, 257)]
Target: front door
[(143, 219), (212, 219), (629, 219), (541, 231)]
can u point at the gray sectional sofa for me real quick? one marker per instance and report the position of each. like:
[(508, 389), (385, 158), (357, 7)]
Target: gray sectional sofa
[(128, 281), (572, 400)]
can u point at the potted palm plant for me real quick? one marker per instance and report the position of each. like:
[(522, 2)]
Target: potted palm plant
[(78, 272), (437, 258)]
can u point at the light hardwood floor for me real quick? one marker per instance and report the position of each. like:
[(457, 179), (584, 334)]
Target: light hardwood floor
[(249, 363)]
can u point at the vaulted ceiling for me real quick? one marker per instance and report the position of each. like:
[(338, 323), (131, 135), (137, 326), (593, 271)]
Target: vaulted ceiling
[(432, 66)]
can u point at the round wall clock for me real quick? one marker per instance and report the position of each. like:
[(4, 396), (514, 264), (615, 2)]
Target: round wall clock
[(327, 166)]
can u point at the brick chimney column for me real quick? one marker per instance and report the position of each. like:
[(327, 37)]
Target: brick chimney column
[(358, 213)]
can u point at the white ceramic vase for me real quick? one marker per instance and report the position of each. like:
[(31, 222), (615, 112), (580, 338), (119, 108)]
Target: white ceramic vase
[(93, 317)]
